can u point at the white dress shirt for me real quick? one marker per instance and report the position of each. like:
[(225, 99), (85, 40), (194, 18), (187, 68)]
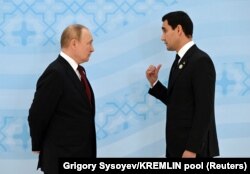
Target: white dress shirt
[(72, 63), (184, 49)]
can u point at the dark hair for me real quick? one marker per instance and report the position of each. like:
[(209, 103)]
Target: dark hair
[(179, 18)]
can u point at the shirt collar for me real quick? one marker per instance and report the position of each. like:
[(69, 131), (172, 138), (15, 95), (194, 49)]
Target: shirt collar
[(185, 48), (71, 61)]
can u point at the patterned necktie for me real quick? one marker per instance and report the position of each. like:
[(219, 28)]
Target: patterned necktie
[(84, 81)]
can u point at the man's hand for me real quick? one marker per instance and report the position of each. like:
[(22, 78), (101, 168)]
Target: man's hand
[(36, 152), (188, 154), (152, 73)]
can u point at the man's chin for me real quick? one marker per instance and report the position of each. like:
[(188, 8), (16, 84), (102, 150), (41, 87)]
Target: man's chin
[(167, 47)]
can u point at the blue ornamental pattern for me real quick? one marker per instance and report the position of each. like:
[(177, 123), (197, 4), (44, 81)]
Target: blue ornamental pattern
[(126, 39)]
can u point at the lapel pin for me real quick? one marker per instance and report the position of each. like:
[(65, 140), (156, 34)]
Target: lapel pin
[(180, 66)]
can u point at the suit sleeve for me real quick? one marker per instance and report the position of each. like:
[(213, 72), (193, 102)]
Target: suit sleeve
[(203, 80), (160, 92), (46, 98)]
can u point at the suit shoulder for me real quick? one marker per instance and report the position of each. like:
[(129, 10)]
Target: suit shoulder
[(201, 61), (53, 70), (200, 53), (201, 56), (56, 65)]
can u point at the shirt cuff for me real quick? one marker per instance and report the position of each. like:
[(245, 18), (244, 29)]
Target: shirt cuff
[(155, 83)]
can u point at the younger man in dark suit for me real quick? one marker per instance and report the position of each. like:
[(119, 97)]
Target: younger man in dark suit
[(190, 128), (61, 117)]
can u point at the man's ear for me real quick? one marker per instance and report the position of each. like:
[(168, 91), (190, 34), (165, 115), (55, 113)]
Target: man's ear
[(179, 29), (73, 43)]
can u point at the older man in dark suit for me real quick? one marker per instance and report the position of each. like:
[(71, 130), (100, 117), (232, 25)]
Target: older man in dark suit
[(61, 117), (190, 128)]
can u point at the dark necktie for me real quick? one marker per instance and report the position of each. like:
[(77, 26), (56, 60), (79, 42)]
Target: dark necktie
[(176, 61), (175, 64), (84, 81)]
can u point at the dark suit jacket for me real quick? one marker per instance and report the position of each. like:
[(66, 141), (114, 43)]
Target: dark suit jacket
[(190, 106), (61, 118)]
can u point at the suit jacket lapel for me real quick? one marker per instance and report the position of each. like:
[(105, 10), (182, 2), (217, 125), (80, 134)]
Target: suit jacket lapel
[(179, 69), (72, 75), (92, 96)]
